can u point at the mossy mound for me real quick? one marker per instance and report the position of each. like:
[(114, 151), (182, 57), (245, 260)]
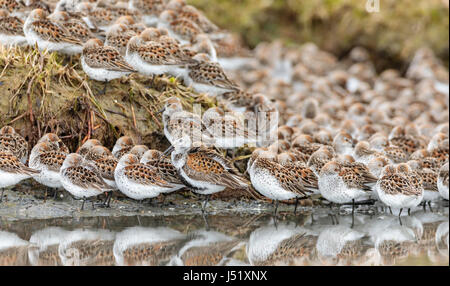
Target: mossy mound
[(392, 35), (46, 92)]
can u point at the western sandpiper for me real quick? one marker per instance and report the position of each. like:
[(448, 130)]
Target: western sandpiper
[(396, 190), (48, 35), (12, 141), (11, 30), (139, 181), (203, 170), (123, 145), (443, 181), (81, 178), (12, 171), (47, 158), (103, 63), (164, 167)]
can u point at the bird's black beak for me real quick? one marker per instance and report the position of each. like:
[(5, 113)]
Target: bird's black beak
[(161, 111)]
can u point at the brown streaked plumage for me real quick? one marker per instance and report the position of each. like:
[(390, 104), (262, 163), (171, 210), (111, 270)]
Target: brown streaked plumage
[(11, 141)]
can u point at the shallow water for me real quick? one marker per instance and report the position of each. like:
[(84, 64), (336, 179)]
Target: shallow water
[(309, 238)]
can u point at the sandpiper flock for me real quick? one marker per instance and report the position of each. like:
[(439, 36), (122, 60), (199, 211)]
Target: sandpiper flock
[(316, 126)]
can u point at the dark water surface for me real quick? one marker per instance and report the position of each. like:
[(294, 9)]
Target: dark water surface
[(230, 239)]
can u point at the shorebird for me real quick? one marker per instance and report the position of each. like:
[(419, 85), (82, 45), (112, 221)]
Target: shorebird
[(139, 181), (48, 159), (443, 181), (227, 130), (208, 77), (49, 36), (429, 180), (106, 163), (12, 141), (12, 171), (11, 30), (396, 189), (103, 63), (342, 185), (123, 145), (75, 27), (203, 170), (164, 167), (118, 36), (154, 58), (81, 178), (278, 182)]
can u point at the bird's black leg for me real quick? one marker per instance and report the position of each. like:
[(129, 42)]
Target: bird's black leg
[(353, 213), (1, 197), (103, 92), (400, 212), (276, 208), (390, 210), (409, 212), (55, 194), (82, 205), (205, 203), (429, 204), (205, 219), (296, 204)]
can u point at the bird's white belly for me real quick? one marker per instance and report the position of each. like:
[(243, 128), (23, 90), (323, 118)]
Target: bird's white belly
[(100, 74), (334, 190), (8, 40), (268, 185), (443, 190), (134, 190), (202, 187), (48, 178), (7, 179), (78, 191), (399, 201)]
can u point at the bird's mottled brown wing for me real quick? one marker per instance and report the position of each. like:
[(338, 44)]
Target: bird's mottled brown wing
[(79, 30), (52, 159), (167, 171), (10, 164), (11, 26), (205, 165), (286, 178), (352, 179), (85, 178), (108, 58), (211, 73), (185, 28), (306, 176), (396, 184), (156, 54), (145, 175), (429, 179), (106, 166), (54, 32)]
